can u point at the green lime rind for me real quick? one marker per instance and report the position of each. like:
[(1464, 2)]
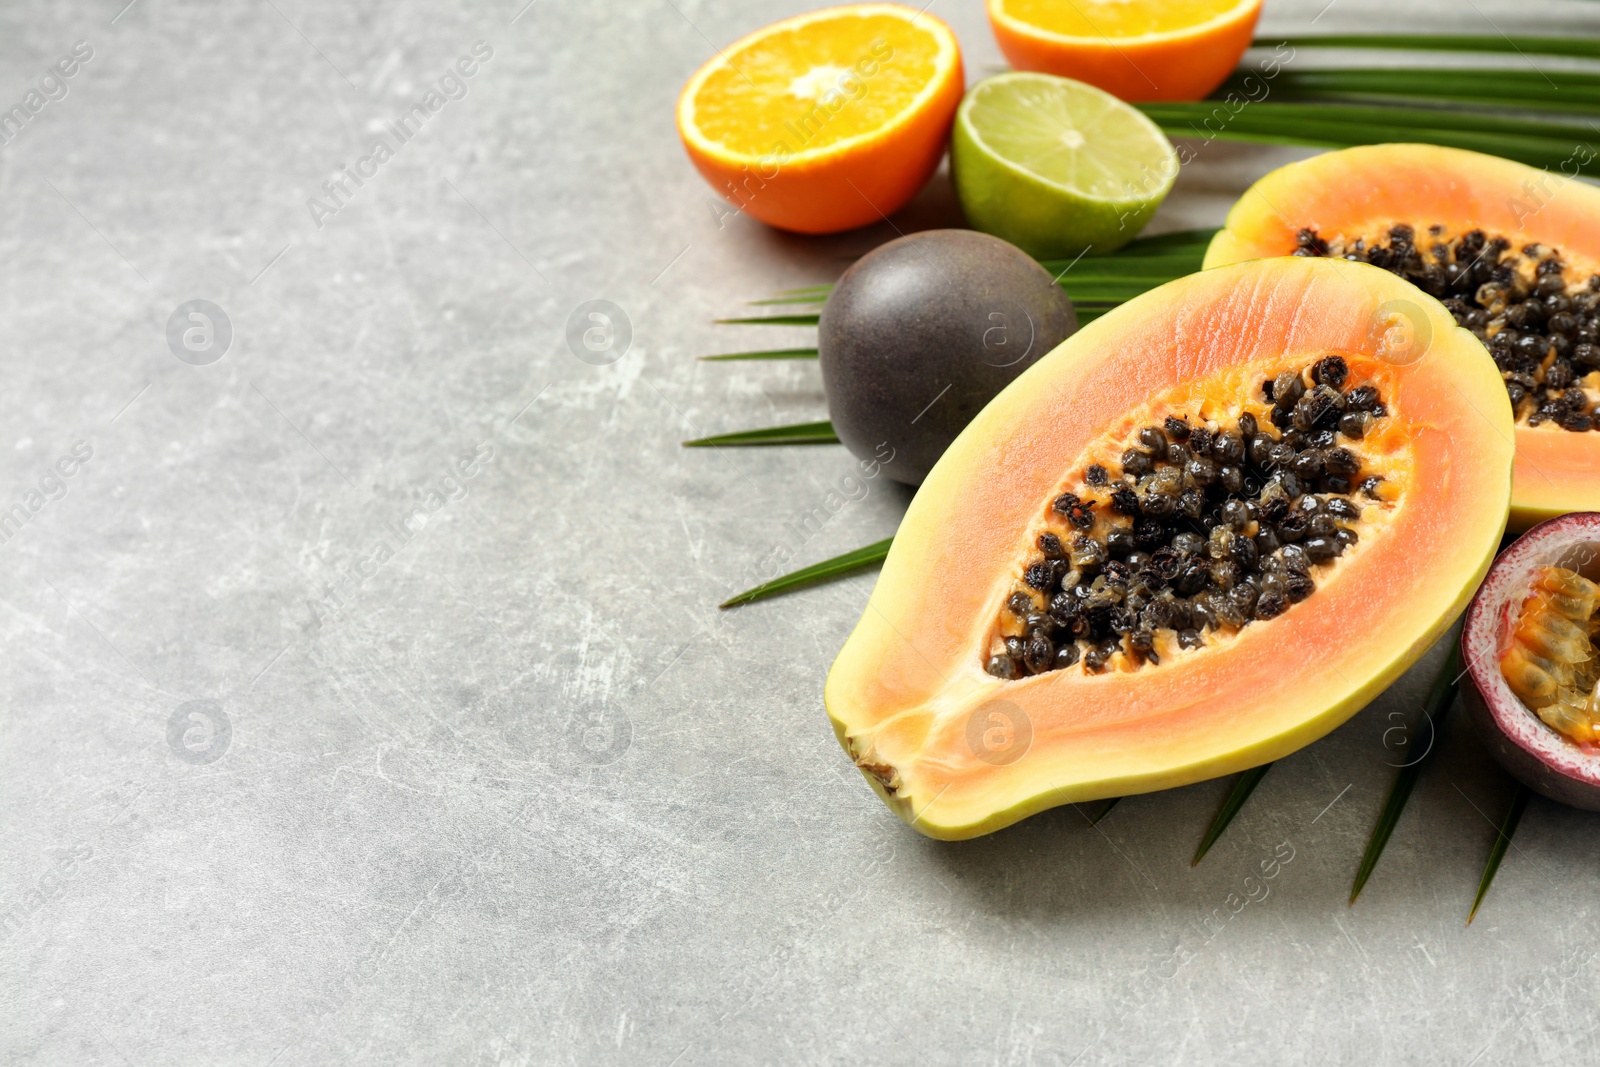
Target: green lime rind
[(1056, 166)]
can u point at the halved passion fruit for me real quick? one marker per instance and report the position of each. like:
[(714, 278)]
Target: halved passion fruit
[(1513, 252), (1529, 646), (1200, 534)]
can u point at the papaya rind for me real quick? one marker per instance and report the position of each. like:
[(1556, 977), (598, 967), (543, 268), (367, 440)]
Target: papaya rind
[(870, 666), (1356, 189)]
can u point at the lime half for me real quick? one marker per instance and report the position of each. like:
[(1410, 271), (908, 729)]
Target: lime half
[(1056, 166)]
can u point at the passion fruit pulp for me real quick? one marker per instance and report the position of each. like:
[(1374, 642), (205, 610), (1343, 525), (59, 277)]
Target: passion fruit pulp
[(1528, 643)]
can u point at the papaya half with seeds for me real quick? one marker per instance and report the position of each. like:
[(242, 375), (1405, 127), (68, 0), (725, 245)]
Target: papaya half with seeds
[(1513, 252), (1198, 535)]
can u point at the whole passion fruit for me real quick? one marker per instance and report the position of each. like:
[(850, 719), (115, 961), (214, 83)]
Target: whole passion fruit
[(922, 332), (1528, 642)]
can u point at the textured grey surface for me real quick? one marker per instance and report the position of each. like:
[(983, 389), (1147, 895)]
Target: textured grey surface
[(511, 790)]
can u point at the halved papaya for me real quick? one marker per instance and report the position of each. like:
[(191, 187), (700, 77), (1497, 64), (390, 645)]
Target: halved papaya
[(1200, 534), (1514, 253)]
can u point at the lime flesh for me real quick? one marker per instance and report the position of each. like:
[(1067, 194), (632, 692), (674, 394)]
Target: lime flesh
[(1057, 167)]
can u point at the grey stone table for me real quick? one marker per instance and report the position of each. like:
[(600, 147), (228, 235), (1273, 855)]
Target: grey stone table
[(364, 696)]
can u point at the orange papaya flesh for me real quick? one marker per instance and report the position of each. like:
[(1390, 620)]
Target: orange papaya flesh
[(1350, 201), (1211, 405), (958, 751)]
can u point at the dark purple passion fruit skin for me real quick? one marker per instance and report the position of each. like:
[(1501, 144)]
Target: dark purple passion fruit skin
[(922, 332), (1530, 751)]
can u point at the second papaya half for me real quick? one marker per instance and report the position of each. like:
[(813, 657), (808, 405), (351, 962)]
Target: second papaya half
[(1199, 535), (1513, 252)]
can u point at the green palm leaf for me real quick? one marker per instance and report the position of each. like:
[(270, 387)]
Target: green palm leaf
[(1355, 118), (1242, 788), (1105, 810), (1536, 143), (1502, 841), (1162, 267), (1440, 699), (772, 320), (776, 353), (797, 298), (804, 433), (1147, 261), (1160, 244), (1524, 89), (836, 567), (1582, 47)]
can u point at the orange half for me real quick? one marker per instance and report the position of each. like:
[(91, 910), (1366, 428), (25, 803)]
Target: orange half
[(826, 121), (1135, 49)]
